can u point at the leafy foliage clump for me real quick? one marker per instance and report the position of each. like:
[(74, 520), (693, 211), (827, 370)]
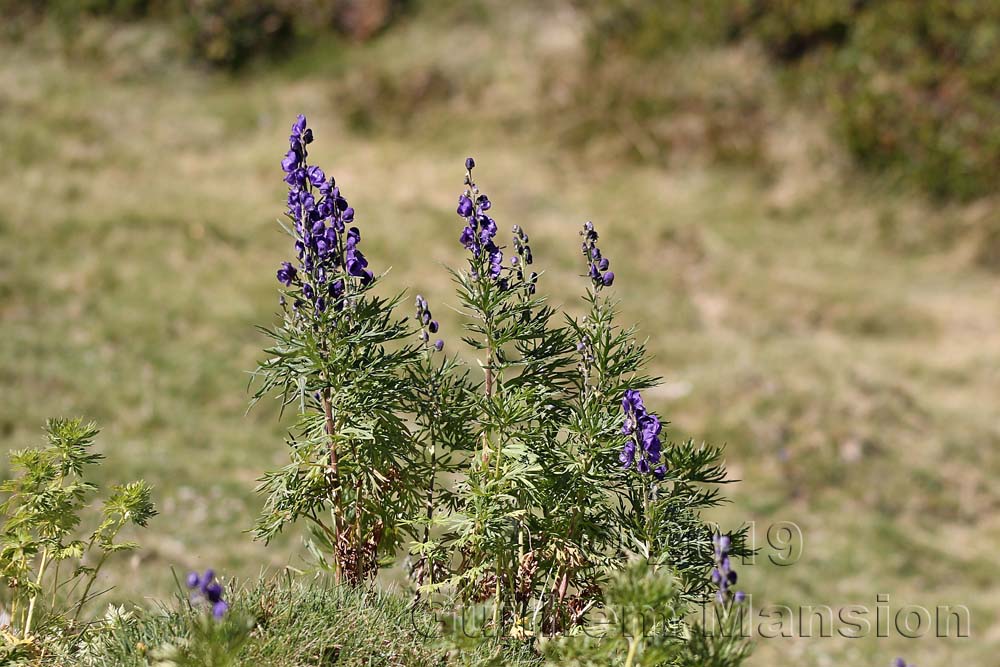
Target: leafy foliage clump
[(911, 86), (524, 494), (49, 565), (223, 34)]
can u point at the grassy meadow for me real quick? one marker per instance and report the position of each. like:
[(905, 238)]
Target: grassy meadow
[(840, 333)]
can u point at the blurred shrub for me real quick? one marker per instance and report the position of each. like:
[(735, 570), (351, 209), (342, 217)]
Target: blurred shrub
[(790, 30), (651, 89), (913, 86), (918, 89), (227, 33), (647, 29), (222, 33), (376, 100), (668, 110)]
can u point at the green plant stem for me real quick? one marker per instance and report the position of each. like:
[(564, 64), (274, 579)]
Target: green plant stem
[(330, 428), (429, 505), (55, 583), (34, 598), (633, 647), (90, 583)]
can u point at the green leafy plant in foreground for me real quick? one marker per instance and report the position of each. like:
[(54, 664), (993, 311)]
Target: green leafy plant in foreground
[(50, 565)]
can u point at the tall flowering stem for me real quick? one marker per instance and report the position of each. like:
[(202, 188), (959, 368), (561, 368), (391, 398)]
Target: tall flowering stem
[(336, 358), (439, 401), (632, 491), (497, 532)]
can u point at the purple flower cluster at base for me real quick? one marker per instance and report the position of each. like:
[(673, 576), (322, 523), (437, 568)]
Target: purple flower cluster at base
[(205, 588), (643, 448)]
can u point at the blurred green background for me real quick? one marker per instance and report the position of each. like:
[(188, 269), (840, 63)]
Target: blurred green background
[(800, 199)]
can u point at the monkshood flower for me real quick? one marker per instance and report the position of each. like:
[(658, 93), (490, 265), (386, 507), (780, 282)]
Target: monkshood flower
[(480, 229), (428, 325), (204, 588), (643, 447), (326, 250), (522, 259), (597, 265), (723, 574), (899, 662)]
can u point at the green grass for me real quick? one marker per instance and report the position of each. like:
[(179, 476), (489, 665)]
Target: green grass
[(291, 623), (837, 334)]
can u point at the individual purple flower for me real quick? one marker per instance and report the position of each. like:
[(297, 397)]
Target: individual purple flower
[(205, 588), (316, 176), (643, 448), (286, 274)]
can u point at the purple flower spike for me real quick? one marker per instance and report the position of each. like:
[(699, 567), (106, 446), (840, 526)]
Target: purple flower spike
[(428, 325), (597, 265), (723, 575), (644, 443), (327, 254), (478, 237)]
